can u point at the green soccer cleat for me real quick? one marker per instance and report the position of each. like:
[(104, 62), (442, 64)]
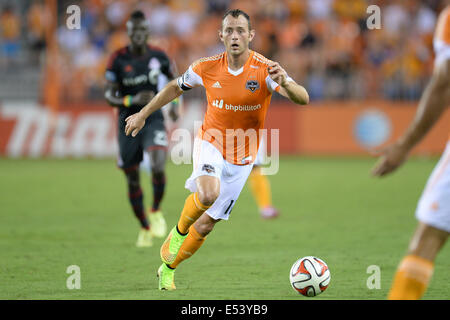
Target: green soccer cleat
[(158, 223), (166, 278), (171, 246), (144, 239)]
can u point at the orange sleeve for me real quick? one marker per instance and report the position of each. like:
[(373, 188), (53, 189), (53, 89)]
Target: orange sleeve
[(196, 67), (443, 26)]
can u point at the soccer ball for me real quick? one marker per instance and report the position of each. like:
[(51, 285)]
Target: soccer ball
[(309, 276)]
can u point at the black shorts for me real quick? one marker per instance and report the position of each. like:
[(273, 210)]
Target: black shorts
[(131, 150)]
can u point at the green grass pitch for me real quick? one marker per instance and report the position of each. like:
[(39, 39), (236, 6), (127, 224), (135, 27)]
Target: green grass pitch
[(58, 213)]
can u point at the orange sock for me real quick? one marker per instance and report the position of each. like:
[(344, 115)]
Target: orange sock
[(411, 279), (192, 210), (190, 245), (260, 187)]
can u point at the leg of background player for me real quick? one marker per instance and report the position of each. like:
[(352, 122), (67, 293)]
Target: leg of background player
[(157, 165), (260, 188), (415, 270), (135, 196), (158, 176)]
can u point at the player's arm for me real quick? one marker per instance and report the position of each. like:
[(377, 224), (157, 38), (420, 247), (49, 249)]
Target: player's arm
[(433, 102), (110, 93), (136, 121), (288, 87), (175, 88), (115, 99)]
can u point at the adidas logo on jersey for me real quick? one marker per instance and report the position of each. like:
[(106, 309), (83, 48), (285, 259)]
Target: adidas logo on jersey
[(216, 85)]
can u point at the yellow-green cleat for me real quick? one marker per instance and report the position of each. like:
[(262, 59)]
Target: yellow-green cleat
[(171, 246), (144, 239), (158, 224), (166, 278)]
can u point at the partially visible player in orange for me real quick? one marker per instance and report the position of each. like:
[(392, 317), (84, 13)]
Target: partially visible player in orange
[(433, 211), (239, 84), (260, 186)]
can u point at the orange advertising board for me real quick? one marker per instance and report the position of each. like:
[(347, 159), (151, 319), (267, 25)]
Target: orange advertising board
[(346, 128)]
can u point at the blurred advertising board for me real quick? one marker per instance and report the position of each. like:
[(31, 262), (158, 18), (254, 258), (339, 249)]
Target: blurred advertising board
[(332, 128)]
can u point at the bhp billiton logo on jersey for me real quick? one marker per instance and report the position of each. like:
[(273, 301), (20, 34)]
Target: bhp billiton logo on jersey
[(219, 104)]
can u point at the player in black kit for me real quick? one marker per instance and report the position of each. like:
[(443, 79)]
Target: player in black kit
[(134, 74)]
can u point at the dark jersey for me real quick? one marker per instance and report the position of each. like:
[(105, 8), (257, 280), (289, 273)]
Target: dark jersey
[(133, 74)]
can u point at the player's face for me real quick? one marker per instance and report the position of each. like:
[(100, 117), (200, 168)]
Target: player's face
[(235, 34), (138, 32)]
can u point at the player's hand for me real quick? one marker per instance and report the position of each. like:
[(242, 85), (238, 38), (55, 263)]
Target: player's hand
[(277, 73), (391, 158), (143, 97), (135, 123)]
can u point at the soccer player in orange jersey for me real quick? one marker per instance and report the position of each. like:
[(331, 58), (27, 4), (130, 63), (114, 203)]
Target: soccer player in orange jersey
[(433, 210), (239, 84)]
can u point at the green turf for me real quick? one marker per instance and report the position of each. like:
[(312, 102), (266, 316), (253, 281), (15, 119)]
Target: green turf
[(57, 213)]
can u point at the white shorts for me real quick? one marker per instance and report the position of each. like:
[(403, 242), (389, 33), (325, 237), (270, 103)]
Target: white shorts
[(434, 204), (207, 160)]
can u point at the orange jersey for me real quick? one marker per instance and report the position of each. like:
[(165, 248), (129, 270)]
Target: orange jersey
[(237, 103), (442, 32), (441, 39)]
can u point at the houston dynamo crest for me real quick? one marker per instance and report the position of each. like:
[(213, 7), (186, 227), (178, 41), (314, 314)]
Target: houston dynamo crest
[(252, 85)]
